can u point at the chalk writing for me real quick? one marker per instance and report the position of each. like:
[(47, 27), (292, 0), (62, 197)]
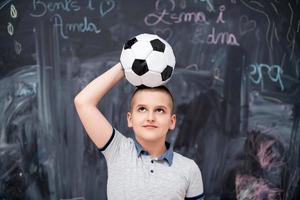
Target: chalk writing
[(169, 18), (251, 187), (193, 67), (214, 37), (258, 7), (90, 5), (10, 28), (106, 7), (268, 159), (246, 25), (164, 13), (275, 8), (13, 11), (166, 33), (274, 73), (220, 17), (3, 4), (217, 73), (165, 4), (40, 8), (208, 3), (199, 35), (204, 34), (64, 29), (222, 38)]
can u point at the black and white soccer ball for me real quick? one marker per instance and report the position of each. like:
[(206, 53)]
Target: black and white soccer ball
[(147, 60)]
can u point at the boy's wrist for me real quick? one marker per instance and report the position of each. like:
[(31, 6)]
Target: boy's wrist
[(121, 66)]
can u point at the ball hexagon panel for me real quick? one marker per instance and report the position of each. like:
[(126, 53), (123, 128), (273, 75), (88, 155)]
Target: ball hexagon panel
[(158, 45), (170, 58), (127, 58), (156, 61), (139, 67), (146, 37), (151, 79), (133, 78), (141, 49), (129, 43), (166, 74)]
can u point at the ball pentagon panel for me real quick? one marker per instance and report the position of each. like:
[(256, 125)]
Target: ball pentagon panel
[(167, 73), (158, 45), (139, 67), (129, 43)]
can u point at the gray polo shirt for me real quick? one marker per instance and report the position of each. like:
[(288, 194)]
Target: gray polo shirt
[(133, 174)]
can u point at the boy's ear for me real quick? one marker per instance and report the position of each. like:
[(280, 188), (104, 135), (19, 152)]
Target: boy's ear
[(129, 119), (173, 122)]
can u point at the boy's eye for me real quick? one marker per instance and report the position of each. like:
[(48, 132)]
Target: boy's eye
[(160, 110), (141, 109)]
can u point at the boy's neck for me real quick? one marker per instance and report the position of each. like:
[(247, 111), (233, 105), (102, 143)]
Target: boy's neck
[(155, 149)]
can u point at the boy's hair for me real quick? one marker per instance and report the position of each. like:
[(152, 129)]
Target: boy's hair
[(161, 88)]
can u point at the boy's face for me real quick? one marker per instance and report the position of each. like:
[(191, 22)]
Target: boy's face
[(151, 115)]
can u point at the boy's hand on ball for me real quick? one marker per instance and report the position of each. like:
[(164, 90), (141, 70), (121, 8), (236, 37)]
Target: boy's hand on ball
[(121, 66)]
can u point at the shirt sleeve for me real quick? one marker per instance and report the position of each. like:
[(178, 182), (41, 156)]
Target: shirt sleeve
[(195, 189), (114, 146)]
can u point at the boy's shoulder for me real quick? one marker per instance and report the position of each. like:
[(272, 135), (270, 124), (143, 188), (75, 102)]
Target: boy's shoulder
[(186, 166), (180, 159)]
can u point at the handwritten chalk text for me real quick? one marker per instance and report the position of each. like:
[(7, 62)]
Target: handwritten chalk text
[(65, 28), (40, 8), (213, 37), (169, 18), (274, 73)]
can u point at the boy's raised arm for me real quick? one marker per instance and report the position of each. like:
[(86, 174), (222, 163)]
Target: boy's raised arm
[(94, 122)]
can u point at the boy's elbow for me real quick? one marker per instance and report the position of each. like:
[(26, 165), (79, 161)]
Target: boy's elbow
[(80, 101), (77, 101)]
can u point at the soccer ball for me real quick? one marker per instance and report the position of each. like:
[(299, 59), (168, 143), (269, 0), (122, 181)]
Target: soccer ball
[(147, 60)]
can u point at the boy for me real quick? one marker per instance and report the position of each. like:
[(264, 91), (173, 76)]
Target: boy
[(144, 168)]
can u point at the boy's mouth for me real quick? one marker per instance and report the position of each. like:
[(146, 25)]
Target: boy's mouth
[(149, 126)]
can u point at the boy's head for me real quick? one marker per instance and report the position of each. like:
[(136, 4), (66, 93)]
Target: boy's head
[(161, 88), (151, 113)]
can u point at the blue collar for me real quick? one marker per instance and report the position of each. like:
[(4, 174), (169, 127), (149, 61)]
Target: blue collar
[(167, 156)]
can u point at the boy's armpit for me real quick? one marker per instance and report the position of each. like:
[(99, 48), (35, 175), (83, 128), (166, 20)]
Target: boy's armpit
[(114, 146), (109, 141)]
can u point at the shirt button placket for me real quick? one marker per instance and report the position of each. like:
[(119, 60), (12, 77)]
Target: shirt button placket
[(152, 166)]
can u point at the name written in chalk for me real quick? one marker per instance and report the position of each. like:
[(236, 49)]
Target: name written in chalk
[(56, 9)]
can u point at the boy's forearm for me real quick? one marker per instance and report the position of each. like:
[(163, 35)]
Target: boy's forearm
[(96, 89)]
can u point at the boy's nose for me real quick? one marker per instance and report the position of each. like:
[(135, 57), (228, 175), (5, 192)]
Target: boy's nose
[(151, 116)]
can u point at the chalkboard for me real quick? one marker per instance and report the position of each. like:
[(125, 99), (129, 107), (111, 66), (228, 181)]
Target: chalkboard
[(236, 89)]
